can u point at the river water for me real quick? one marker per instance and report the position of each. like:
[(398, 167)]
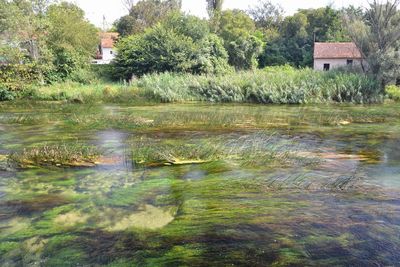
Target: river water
[(203, 185)]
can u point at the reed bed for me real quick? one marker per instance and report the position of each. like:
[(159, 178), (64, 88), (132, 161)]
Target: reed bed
[(273, 85)]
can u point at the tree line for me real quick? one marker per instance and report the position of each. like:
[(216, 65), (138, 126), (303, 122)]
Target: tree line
[(53, 41), (260, 36)]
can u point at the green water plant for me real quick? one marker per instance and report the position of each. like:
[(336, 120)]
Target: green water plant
[(257, 149), (62, 155), (152, 154)]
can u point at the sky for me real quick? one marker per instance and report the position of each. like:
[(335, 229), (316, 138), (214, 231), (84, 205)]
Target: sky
[(114, 9)]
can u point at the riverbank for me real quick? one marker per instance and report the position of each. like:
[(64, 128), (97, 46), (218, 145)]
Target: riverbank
[(278, 85)]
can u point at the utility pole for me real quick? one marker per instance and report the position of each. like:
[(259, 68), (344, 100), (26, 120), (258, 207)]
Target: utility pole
[(104, 24)]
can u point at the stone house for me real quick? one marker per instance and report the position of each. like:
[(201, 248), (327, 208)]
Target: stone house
[(329, 56)]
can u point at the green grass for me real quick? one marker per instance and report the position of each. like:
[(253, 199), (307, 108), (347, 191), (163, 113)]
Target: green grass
[(86, 93), (275, 85)]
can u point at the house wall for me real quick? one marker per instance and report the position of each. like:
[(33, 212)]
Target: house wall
[(334, 63), (107, 55)]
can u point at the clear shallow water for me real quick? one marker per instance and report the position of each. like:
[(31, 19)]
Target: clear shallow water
[(334, 201)]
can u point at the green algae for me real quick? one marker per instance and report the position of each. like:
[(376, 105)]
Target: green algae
[(259, 201)]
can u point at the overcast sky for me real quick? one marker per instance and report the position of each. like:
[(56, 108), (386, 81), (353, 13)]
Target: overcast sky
[(113, 9)]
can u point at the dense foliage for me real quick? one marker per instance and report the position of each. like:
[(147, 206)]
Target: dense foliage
[(42, 42), (282, 85), (376, 32), (45, 42), (237, 29), (145, 14), (180, 44), (290, 41)]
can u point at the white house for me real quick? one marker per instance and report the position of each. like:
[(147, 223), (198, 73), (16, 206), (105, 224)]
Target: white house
[(328, 56), (106, 51)]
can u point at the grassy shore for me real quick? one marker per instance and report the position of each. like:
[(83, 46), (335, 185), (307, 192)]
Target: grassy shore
[(278, 85)]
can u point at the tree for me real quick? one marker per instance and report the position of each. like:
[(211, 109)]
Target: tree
[(71, 38), (129, 4), (267, 15), (377, 35), (293, 41), (214, 7), (179, 44), (237, 30), (144, 14), (49, 40), (126, 25)]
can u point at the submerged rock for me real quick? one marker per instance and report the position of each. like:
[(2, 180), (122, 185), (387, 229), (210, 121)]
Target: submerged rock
[(71, 219), (150, 217)]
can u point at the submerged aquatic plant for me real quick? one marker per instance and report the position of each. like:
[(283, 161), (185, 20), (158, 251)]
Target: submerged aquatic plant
[(258, 149), (151, 154), (62, 155)]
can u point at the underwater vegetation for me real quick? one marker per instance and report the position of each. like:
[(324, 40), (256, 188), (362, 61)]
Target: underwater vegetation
[(199, 185), (255, 149)]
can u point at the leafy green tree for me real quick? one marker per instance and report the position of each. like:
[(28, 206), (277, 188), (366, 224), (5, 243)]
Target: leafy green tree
[(54, 40), (267, 15), (125, 25), (237, 30), (377, 35), (70, 29), (71, 38), (145, 14), (214, 7), (180, 44), (297, 34)]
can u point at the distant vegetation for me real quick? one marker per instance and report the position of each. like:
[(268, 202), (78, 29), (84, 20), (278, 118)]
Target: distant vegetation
[(170, 56), (274, 85)]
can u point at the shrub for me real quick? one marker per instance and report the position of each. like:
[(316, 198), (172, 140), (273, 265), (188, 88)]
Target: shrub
[(17, 77), (180, 44), (6, 95), (393, 92)]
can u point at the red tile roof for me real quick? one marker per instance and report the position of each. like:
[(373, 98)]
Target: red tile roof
[(107, 43), (108, 39), (336, 50)]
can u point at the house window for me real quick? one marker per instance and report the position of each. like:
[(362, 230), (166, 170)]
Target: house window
[(327, 66), (349, 62), (111, 52)]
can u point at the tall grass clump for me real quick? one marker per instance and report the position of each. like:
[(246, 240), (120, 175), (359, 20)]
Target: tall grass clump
[(253, 150), (273, 85), (170, 87), (62, 155)]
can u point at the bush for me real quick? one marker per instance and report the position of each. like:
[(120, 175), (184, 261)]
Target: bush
[(6, 95), (180, 44), (393, 92), (17, 77)]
